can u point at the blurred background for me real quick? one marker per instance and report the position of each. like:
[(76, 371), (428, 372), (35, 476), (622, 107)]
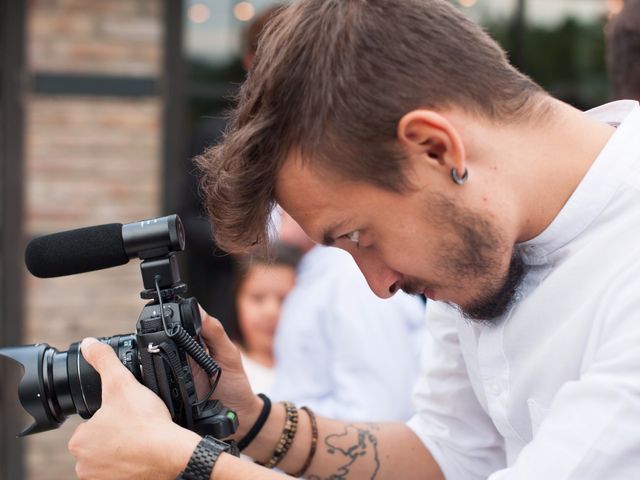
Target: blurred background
[(102, 103)]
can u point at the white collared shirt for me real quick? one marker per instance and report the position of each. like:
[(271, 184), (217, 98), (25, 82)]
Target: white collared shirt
[(552, 391), (343, 351)]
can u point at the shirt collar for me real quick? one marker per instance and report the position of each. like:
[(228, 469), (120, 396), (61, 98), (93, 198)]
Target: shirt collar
[(596, 188)]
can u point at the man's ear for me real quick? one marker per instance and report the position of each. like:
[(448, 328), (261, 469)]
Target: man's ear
[(429, 135)]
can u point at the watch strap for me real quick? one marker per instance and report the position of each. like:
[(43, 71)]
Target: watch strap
[(204, 458)]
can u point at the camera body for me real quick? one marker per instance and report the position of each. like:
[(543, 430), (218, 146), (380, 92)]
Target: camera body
[(166, 353), (169, 371)]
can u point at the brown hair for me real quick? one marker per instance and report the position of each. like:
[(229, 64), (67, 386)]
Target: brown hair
[(253, 32), (331, 80), (623, 51)]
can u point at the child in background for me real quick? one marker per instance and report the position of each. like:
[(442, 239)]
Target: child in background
[(261, 285)]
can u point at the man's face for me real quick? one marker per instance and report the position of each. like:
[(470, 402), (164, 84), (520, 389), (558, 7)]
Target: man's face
[(420, 241)]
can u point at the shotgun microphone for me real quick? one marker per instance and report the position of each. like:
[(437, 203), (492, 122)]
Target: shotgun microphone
[(103, 246)]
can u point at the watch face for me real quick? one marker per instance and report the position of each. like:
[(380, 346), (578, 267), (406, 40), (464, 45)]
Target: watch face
[(215, 443), (221, 445)]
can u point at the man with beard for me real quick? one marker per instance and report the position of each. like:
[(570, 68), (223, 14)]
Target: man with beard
[(399, 132)]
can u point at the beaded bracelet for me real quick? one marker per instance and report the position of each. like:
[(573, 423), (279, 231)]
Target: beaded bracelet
[(314, 442), (286, 439)]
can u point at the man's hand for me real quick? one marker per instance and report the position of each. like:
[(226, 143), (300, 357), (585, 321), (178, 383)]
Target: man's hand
[(233, 390), (131, 436)]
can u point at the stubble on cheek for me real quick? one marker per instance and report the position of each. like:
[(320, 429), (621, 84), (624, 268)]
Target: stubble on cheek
[(482, 266)]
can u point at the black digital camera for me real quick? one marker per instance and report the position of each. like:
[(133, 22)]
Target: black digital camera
[(166, 353)]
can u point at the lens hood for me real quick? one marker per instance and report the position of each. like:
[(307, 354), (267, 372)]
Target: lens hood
[(35, 385)]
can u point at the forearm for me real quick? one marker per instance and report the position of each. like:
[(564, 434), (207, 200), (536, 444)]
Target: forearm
[(229, 467), (345, 450)]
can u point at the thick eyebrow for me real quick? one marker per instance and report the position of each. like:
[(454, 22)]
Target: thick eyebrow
[(329, 235)]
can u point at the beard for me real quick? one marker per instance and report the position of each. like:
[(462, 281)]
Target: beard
[(490, 306), (475, 257)]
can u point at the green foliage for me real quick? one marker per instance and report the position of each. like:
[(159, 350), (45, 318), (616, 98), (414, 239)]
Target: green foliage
[(205, 72), (568, 59)]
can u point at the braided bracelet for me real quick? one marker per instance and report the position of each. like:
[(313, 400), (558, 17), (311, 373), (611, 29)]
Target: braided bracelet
[(286, 439), (255, 429)]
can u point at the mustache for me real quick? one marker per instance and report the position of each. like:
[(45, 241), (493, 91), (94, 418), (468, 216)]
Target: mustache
[(414, 286)]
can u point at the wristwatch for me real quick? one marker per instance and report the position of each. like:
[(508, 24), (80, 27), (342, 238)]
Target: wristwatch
[(204, 458)]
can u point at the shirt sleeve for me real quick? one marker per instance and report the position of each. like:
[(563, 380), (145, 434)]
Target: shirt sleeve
[(591, 430), (449, 420)]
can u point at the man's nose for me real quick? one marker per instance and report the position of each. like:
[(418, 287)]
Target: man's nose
[(382, 280)]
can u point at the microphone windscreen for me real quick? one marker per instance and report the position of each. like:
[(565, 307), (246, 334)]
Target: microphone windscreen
[(76, 251)]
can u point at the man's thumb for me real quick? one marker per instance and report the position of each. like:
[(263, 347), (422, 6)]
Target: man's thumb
[(102, 357)]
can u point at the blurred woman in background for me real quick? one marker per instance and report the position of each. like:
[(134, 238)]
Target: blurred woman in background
[(260, 287)]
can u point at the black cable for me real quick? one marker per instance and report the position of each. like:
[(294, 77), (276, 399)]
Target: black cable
[(179, 335)]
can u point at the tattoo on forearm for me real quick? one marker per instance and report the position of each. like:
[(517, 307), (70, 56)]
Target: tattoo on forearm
[(358, 446)]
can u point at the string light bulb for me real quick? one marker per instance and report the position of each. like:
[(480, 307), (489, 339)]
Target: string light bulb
[(199, 13), (244, 11)]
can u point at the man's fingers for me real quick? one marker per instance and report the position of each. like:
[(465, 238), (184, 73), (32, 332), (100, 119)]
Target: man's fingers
[(215, 337), (102, 357)]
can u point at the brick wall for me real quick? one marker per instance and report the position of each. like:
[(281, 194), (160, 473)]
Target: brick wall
[(80, 36), (89, 160)]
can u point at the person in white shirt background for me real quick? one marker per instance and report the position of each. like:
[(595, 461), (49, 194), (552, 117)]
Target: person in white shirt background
[(398, 131), (339, 349)]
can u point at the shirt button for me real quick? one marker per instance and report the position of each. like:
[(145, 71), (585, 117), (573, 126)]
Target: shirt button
[(495, 388)]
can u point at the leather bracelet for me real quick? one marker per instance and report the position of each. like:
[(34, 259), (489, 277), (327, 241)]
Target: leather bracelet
[(203, 459), (314, 443), (286, 439), (255, 429)]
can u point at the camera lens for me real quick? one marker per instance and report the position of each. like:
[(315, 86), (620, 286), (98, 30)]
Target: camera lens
[(58, 384)]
